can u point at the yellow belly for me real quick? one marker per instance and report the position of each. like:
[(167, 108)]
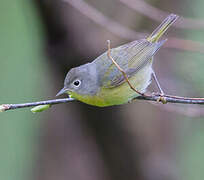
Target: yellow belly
[(118, 95)]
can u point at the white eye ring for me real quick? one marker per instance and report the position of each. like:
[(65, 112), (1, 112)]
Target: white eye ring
[(77, 83)]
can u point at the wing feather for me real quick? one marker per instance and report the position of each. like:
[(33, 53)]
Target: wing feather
[(130, 57)]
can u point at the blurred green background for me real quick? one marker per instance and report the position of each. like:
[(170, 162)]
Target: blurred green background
[(22, 73), (40, 40)]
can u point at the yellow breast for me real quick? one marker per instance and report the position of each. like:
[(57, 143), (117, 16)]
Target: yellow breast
[(120, 94)]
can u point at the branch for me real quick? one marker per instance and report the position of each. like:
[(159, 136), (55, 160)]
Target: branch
[(120, 69), (6, 107), (172, 99), (127, 33), (154, 97), (158, 15), (104, 21)]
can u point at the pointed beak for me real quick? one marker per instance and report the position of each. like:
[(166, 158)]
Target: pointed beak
[(62, 91)]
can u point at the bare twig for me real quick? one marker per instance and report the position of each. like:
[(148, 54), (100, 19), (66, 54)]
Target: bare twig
[(6, 107), (158, 15), (126, 33), (104, 21), (173, 99), (154, 97)]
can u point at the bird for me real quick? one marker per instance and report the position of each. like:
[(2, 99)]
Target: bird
[(100, 83)]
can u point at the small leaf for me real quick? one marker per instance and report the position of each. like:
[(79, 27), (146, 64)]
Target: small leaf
[(40, 108)]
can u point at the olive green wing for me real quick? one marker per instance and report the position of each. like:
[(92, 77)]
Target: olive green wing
[(131, 58)]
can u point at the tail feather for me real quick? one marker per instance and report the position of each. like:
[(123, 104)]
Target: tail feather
[(161, 29)]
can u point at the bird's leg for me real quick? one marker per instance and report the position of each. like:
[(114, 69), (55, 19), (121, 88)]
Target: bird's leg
[(121, 70), (157, 82), (161, 98)]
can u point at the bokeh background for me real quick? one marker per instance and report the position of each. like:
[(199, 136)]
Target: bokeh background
[(40, 40)]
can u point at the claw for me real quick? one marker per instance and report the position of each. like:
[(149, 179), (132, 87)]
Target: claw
[(162, 99)]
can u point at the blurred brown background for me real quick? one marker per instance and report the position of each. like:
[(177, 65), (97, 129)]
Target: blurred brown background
[(42, 39)]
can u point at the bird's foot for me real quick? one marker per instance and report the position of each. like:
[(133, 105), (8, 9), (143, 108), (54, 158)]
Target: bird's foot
[(161, 98)]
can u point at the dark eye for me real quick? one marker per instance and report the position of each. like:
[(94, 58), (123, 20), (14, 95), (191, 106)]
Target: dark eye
[(77, 83)]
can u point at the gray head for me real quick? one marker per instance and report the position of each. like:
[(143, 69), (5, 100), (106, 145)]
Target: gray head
[(81, 80)]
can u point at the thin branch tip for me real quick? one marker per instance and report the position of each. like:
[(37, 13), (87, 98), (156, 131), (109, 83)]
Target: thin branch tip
[(38, 106), (122, 71), (4, 107)]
